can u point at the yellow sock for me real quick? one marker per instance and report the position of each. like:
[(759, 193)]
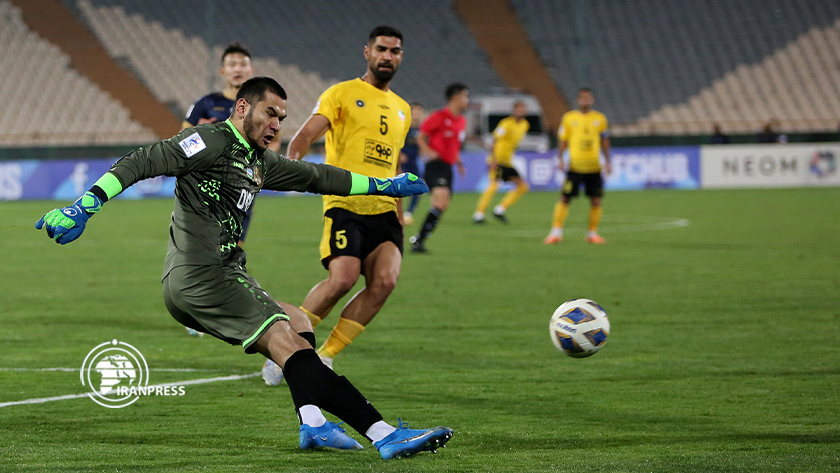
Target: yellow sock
[(595, 218), (312, 317), (514, 195), (342, 335), (488, 193), (561, 211)]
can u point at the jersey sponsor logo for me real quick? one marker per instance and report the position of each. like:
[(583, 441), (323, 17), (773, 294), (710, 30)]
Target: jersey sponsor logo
[(401, 114), (245, 200), (192, 144), (360, 103), (378, 153)]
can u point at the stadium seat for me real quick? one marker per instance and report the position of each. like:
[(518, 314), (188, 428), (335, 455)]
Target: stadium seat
[(717, 60), (38, 74), (287, 43)]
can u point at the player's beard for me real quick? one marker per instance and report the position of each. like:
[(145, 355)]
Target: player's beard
[(248, 124), (384, 75)]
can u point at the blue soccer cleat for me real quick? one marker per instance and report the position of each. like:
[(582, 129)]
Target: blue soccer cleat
[(405, 442), (328, 435)]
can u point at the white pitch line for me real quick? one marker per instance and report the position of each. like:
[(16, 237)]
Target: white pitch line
[(172, 370), (178, 383), (617, 225)]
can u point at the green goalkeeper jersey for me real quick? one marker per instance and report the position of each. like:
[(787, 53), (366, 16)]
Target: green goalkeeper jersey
[(218, 174)]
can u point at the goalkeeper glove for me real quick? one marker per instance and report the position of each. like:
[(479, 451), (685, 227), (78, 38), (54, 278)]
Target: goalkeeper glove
[(403, 185), (67, 223)]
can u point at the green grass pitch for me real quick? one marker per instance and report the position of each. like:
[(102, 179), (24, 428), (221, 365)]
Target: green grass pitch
[(724, 354)]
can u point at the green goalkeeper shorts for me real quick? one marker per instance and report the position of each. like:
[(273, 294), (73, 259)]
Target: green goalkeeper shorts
[(223, 301)]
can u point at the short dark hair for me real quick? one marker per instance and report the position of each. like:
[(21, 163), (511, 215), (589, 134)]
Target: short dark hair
[(416, 104), (384, 30), (235, 48), (456, 88), (584, 89), (254, 89)]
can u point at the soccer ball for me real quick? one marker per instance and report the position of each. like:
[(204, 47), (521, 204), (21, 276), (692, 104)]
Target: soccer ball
[(579, 328)]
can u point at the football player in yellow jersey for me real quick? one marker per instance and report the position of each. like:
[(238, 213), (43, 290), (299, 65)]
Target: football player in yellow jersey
[(506, 137), (365, 125), (584, 133)]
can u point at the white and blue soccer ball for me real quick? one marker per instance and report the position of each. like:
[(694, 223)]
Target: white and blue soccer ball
[(579, 328)]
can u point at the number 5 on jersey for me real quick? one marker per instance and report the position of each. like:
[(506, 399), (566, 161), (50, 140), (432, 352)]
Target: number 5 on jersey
[(341, 239), (383, 125)]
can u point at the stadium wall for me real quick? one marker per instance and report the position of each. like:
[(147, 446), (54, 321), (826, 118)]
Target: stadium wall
[(670, 167)]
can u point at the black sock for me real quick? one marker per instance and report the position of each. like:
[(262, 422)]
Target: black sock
[(309, 336), (310, 382), (432, 219)]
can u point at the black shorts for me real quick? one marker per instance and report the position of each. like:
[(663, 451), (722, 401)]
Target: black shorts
[(438, 174), (505, 173), (593, 182), (350, 234)]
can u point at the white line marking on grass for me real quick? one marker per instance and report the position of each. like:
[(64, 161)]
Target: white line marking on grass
[(177, 383), (617, 225), (172, 370)]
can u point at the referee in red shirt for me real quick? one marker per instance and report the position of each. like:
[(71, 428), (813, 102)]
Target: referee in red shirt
[(440, 140)]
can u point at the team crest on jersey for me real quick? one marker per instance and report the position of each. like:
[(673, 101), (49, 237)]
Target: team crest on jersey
[(255, 174), (192, 144), (401, 115), (360, 103), (595, 122)]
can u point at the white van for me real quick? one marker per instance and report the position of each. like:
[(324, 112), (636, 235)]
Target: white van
[(486, 111)]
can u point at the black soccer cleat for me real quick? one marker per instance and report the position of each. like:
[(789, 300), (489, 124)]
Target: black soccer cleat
[(417, 245), (501, 217)]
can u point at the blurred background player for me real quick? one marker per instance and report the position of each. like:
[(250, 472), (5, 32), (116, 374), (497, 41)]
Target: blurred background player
[(440, 140), (506, 137), (584, 133), (365, 125), (216, 106), (409, 154)]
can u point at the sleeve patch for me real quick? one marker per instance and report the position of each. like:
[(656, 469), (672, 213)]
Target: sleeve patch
[(192, 144)]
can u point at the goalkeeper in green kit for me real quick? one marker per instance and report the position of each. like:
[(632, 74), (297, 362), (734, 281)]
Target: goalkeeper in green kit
[(220, 167)]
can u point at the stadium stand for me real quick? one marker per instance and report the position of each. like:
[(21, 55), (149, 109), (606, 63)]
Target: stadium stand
[(175, 66), (62, 107), (282, 42), (662, 67)]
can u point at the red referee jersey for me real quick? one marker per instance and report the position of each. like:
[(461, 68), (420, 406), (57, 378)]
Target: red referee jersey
[(446, 133)]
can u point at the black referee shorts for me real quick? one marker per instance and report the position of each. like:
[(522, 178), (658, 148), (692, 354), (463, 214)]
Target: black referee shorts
[(438, 174)]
